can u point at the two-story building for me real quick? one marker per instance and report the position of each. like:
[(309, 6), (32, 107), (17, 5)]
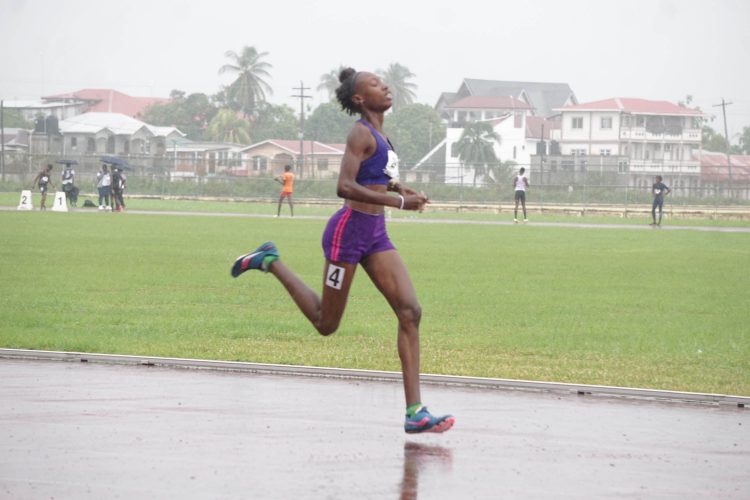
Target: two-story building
[(518, 114), (637, 137)]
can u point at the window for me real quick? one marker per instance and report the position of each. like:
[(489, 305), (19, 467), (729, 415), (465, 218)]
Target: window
[(74, 143), (606, 122), (605, 152), (323, 164), (640, 121), (577, 122), (622, 167), (454, 150), (90, 145), (578, 152)]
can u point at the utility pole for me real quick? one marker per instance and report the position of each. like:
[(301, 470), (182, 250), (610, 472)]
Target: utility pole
[(726, 135), (302, 98)]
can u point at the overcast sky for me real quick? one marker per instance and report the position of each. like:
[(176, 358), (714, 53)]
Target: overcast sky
[(652, 49)]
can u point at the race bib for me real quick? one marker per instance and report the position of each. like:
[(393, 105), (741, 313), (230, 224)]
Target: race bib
[(391, 168)]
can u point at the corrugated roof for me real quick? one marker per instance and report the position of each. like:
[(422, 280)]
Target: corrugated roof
[(117, 123), (488, 102), (715, 165), (308, 147), (543, 97), (635, 106), (111, 101)]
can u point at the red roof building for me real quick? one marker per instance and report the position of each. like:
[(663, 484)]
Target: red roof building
[(108, 101), (716, 166)]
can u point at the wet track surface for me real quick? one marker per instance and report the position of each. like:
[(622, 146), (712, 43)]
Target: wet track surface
[(83, 430)]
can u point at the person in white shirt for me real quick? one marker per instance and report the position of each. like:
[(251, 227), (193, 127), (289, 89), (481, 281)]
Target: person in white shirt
[(520, 184), (104, 185)]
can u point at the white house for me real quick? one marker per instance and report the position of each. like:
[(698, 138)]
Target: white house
[(654, 136), (519, 134), (113, 133)]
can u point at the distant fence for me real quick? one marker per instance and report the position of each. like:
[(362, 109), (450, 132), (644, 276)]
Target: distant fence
[(154, 176)]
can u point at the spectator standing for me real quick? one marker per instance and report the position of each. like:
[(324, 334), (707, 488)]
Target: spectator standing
[(520, 185), (659, 190), (287, 181), (68, 185), (104, 186), (118, 187)]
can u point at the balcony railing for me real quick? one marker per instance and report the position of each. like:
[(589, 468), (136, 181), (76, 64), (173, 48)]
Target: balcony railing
[(641, 134)]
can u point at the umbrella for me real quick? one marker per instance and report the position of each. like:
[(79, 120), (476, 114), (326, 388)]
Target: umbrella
[(67, 162), (117, 162)]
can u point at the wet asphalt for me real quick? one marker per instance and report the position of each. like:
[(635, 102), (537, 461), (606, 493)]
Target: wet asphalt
[(83, 430)]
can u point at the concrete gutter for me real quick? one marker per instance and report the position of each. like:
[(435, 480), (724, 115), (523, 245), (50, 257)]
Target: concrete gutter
[(382, 376)]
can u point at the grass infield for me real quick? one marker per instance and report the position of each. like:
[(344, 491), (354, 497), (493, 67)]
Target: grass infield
[(652, 309)]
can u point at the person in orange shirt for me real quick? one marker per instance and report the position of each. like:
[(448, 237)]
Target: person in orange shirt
[(287, 181)]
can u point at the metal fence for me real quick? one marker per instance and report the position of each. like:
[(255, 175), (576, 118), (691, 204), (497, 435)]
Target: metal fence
[(156, 176)]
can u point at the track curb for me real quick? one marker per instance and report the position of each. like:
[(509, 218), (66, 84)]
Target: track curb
[(381, 376)]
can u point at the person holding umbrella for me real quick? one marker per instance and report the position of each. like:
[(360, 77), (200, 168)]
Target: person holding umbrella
[(118, 187)]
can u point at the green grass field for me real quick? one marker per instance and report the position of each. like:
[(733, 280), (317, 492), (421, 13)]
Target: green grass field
[(655, 309)]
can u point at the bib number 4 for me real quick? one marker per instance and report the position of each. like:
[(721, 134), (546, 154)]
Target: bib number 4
[(335, 276)]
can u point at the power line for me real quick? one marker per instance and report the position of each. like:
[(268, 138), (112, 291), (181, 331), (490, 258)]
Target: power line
[(302, 96), (724, 105)]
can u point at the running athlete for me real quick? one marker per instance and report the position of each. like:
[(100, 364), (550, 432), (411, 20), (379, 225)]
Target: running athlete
[(43, 180), (520, 183), (659, 190), (287, 181), (356, 234)]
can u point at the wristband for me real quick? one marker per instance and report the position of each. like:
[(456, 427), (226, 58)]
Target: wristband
[(402, 202)]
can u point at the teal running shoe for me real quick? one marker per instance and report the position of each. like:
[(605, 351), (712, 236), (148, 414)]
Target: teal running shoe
[(423, 421), (256, 259)]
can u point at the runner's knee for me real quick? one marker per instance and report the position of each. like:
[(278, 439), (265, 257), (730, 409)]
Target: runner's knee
[(409, 314), (326, 328)]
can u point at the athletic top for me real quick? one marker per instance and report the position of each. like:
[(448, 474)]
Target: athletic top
[(67, 176), (288, 179), (520, 183), (43, 180), (658, 190), (382, 166)]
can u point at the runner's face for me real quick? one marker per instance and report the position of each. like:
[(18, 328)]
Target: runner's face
[(374, 92)]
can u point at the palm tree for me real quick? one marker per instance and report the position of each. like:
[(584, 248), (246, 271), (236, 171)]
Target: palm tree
[(329, 82), (249, 88), (476, 147), (226, 126), (397, 76)]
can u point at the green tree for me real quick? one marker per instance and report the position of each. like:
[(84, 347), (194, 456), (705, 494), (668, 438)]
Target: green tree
[(328, 123), (191, 114), (476, 148), (745, 141), (397, 77), (249, 89), (274, 122), (12, 118), (414, 129), (226, 126), (712, 141), (330, 82)]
